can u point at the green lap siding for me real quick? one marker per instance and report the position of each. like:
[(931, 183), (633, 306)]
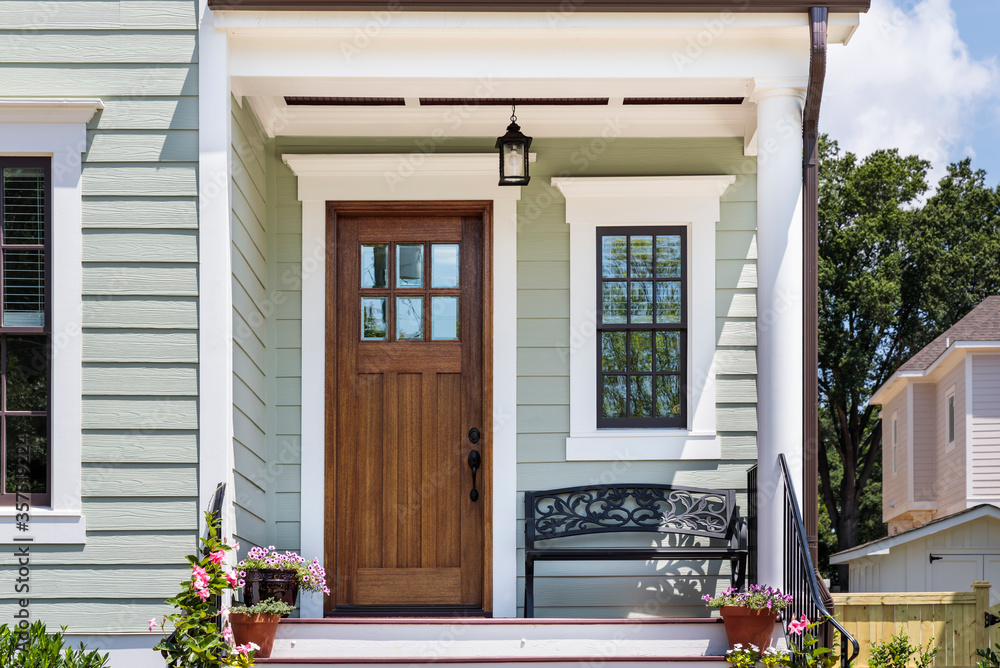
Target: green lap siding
[(140, 445), (251, 310), (543, 292)]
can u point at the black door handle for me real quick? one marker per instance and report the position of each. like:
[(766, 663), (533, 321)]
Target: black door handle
[(475, 461)]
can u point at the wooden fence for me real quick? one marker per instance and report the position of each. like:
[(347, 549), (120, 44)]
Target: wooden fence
[(952, 621)]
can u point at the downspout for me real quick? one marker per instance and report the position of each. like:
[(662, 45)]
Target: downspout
[(810, 287)]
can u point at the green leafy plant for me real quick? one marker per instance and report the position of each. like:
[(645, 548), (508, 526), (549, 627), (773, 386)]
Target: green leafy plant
[(990, 658), (32, 647), (268, 606), (197, 641), (897, 651), (811, 654)]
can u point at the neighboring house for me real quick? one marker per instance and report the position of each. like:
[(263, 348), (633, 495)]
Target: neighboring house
[(940, 466), (284, 262)]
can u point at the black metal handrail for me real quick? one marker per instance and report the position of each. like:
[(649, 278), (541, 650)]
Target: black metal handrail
[(801, 582)]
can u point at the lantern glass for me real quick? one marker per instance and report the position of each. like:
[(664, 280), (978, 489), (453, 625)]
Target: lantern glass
[(513, 159)]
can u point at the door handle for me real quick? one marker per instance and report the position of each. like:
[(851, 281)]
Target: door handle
[(475, 461)]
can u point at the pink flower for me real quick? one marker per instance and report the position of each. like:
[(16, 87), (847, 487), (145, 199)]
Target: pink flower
[(796, 627), (233, 578), (203, 594), (217, 557), (152, 623), (227, 635), (236, 546)]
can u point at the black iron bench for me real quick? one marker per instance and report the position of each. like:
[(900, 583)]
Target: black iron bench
[(553, 514)]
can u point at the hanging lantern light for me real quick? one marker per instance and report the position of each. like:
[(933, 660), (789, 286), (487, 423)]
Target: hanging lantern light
[(513, 148)]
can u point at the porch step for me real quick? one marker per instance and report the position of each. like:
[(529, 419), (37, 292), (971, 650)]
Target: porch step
[(465, 642)]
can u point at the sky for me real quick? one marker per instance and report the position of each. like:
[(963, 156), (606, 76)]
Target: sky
[(922, 76)]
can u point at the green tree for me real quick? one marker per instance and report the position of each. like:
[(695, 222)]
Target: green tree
[(892, 276)]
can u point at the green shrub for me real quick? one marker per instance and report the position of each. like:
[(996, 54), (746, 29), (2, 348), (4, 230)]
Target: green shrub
[(34, 648), (990, 658), (897, 651)]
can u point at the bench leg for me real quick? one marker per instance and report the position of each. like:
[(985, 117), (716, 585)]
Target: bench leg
[(738, 567), (529, 587)]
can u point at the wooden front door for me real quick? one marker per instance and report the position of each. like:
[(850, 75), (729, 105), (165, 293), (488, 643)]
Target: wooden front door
[(407, 344)]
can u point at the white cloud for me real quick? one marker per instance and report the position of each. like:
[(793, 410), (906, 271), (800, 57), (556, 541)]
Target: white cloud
[(906, 81)]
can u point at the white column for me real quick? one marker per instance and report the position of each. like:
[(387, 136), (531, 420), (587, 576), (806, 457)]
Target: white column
[(779, 310), (215, 279)]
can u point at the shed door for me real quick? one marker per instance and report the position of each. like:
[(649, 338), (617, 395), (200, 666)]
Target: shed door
[(409, 388)]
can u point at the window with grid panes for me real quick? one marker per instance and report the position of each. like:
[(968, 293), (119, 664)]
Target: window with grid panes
[(642, 327), (25, 204)]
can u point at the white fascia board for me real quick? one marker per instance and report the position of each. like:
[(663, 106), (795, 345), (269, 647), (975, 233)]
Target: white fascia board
[(882, 546), (884, 393), (48, 110), (277, 118)]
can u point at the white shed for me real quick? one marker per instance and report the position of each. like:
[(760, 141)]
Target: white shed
[(946, 554)]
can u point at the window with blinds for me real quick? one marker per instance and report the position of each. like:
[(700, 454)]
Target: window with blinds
[(25, 211)]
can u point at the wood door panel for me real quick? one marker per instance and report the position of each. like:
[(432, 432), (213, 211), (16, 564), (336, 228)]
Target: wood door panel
[(408, 586), (405, 530)]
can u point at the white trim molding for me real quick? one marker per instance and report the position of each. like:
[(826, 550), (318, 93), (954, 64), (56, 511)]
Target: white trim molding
[(592, 202), (57, 128), (400, 177), (215, 277)]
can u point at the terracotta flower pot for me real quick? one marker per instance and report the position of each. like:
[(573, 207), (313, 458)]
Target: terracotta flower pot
[(259, 629), (748, 627), (280, 584)]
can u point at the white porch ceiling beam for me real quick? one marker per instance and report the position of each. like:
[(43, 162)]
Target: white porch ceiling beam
[(469, 121)]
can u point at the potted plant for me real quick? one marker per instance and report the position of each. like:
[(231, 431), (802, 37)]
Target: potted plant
[(255, 625), (749, 616), (273, 575)]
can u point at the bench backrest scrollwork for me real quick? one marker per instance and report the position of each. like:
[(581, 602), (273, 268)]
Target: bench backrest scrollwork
[(574, 511)]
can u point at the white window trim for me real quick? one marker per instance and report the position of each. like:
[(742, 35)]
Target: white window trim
[(57, 128), (950, 422), (400, 177), (592, 202), (895, 442)]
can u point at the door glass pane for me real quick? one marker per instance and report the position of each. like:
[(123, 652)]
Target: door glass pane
[(23, 205), (668, 256), (642, 301), (27, 458), (613, 401), (668, 396), (374, 266), (23, 288), (668, 351), (641, 351), (409, 318), (614, 260), (615, 303), (641, 401), (668, 301), (373, 319), (409, 266), (641, 261), (444, 318), (444, 265), (27, 374), (613, 351)]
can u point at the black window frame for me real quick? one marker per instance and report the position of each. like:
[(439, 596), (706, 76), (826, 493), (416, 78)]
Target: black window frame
[(679, 422), (34, 499)]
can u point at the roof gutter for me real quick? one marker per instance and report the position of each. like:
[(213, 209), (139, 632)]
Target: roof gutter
[(810, 257)]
